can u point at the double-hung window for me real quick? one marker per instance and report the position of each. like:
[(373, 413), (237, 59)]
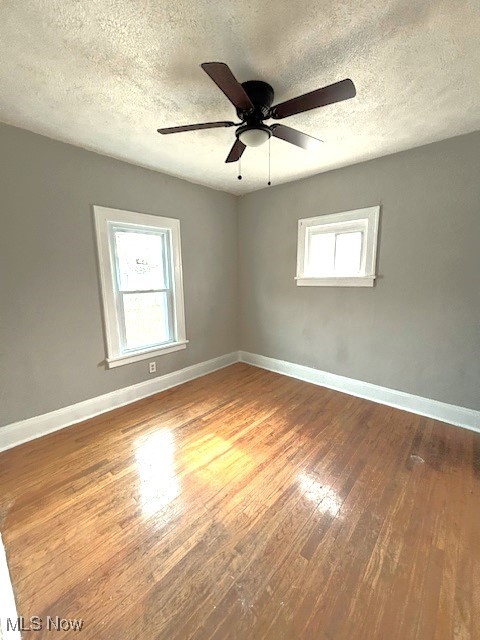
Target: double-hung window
[(338, 249), (141, 276)]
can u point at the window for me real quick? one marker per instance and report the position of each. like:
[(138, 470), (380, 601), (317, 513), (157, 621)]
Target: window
[(141, 275), (338, 249)]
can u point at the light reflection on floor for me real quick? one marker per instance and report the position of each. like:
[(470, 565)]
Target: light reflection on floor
[(159, 485), (326, 498), (215, 462)]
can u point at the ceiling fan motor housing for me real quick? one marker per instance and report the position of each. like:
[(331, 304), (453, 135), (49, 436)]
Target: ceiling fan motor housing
[(261, 94)]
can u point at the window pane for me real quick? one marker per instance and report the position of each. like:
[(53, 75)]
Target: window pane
[(320, 254), (348, 250), (146, 319), (140, 260)]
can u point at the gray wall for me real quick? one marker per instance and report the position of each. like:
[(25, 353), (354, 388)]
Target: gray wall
[(417, 330), (51, 332)]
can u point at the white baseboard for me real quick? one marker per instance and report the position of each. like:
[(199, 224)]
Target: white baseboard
[(8, 610), (17, 433), (452, 414)]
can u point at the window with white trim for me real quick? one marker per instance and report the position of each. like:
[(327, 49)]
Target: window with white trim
[(141, 275), (338, 249)]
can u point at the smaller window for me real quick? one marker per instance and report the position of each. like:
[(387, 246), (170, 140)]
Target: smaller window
[(338, 249), (141, 274)]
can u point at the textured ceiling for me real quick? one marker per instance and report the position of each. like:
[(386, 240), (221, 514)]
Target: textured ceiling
[(104, 74)]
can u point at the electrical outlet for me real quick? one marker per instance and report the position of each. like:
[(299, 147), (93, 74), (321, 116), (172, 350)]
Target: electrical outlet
[(152, 367)]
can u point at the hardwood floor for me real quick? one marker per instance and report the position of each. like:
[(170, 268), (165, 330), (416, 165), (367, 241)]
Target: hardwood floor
[(247, 505)]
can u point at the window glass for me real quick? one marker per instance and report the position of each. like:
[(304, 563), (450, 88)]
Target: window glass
[(334, 254), (140, 260), (321, 253), (348, 251), (146, 319)]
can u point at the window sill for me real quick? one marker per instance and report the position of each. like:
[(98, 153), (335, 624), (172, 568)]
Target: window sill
[(118, 361), (364, 281)]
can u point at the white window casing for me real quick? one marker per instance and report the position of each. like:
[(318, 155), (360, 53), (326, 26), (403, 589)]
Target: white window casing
[(164, 233), (338, 249)]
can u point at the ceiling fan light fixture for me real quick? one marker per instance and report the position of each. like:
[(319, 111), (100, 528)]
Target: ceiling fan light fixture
[(253, 136)]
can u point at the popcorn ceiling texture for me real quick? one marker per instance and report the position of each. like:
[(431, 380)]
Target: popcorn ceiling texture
[(105, 74)]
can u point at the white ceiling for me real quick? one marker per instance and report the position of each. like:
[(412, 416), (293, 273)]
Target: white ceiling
[(105, 74)]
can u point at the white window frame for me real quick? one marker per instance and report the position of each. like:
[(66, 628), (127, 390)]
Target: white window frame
[(364, 220), (104, 218)]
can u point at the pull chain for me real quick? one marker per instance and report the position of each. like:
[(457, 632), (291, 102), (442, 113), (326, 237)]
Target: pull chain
[(269, 180), (239, 169)]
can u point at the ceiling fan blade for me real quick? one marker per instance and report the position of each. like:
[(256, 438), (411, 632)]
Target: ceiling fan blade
[(220, 73), (194, 127), (295, 137), (236, 151), (337, 92)]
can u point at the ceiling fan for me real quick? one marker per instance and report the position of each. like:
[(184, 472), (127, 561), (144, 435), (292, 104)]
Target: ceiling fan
[(253, 102)]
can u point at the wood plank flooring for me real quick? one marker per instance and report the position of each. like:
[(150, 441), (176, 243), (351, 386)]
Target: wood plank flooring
[(247, 505)]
